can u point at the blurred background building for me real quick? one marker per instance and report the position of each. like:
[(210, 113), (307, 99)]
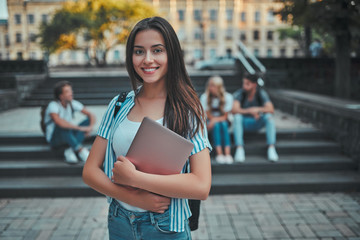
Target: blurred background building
[(206, 29)]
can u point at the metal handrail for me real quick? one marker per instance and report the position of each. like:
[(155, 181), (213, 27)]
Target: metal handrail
[(246, 63), (246, 51)]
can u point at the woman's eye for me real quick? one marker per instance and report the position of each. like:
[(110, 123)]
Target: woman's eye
[(158, 50), (138, 52)]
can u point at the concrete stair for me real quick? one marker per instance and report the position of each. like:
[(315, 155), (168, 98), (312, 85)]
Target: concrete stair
[(309, 161)]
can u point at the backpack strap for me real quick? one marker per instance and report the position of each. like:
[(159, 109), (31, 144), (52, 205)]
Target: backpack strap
[(121, 99), (257, 96)]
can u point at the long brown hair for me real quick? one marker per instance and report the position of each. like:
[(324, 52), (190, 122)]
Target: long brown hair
[(219, 83), (183, 112)]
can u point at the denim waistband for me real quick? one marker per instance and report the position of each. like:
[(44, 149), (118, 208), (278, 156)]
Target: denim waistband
[(117, 210)]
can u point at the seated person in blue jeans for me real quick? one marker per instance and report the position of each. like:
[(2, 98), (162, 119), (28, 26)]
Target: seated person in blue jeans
[(217, 103), (60, 130), (253, 110)]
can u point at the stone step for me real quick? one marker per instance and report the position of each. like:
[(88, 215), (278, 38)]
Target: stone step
[(282, 134), (221, 184), (253, 164), (254, 148), (344, 181)]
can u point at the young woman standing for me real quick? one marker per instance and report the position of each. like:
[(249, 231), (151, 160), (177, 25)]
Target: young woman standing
[(142, 205)]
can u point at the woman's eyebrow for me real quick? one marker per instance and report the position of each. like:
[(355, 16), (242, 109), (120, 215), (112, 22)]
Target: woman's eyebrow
[(156, 45)]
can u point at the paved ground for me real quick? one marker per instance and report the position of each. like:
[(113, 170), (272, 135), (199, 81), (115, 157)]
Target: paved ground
[(227, 217)]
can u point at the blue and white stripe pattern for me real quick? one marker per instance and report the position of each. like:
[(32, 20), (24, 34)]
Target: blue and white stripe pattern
[(179, 208)]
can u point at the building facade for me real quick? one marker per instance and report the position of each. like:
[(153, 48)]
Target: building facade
[(206, 29)]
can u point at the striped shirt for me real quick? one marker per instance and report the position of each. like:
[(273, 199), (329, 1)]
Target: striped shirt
[(179, 208)]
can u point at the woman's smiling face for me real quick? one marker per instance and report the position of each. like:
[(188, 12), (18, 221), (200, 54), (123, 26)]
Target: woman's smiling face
[(149, 56)]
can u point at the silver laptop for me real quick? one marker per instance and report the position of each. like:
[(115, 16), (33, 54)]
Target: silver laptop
[(158, 150)]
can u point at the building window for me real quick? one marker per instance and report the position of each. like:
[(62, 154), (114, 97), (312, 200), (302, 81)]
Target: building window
[(19, 56), (243, 16), (181, 34), (73, 55), (256, 52), (282, 52), (212, 53), (256, 35), (32, 55), (116, 55), (213, 14), (229, 32), (198, 54), (257, 16), (296, 52), (44, 18), (229, 15), (243, 36), (181, 14), (213, 33), (270, 16), (61, 56), (17, 19), (18, 38), (197, 15), (270, 35), (269, 53), (31, 19), (7, 40), (32, 37), (197, 34)]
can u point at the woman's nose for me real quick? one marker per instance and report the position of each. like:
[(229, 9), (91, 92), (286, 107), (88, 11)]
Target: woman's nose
[(149, 58)]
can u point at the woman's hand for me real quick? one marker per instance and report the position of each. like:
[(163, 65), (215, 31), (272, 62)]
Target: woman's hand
[(150, 201), (123, 171)]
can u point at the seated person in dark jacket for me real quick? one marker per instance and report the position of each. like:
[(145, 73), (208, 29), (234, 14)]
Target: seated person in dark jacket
[(253, 110)]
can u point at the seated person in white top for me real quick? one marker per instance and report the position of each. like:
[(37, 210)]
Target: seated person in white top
[(60, 130), (217, 103)]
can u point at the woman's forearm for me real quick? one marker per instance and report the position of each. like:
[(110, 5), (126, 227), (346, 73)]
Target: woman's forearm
[(194, 185)]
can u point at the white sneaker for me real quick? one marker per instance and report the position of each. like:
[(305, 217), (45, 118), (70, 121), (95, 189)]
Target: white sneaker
[(83, 154), (70, 156), (272, 154), (220, 159), (240, 154), (229, 159)]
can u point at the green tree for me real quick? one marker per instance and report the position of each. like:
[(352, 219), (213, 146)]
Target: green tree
[(338, 18), (94, 26)]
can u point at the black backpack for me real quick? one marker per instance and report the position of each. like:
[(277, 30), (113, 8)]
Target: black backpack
[(43, 124), (193, 204)]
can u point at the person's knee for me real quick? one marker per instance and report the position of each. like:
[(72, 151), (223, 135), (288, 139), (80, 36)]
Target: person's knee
[(268, 117), (238, 118)]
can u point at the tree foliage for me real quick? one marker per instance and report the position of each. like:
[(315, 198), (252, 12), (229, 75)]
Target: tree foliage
[(94, 26), (339, 19)]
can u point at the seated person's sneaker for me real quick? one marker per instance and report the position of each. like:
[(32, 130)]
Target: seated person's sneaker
[(272, 154), (220, 159), (239, 154), (229, 159), (70, 156), (83, 154)]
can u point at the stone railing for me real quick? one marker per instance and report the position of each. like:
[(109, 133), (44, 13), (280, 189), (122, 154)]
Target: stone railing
[(340, 118)]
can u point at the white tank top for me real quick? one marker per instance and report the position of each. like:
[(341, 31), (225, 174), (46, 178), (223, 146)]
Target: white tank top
[(123, 137)]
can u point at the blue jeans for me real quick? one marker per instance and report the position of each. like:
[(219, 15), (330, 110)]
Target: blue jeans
[(221, 134), (246, 123), (73, 138), (128, 225)]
